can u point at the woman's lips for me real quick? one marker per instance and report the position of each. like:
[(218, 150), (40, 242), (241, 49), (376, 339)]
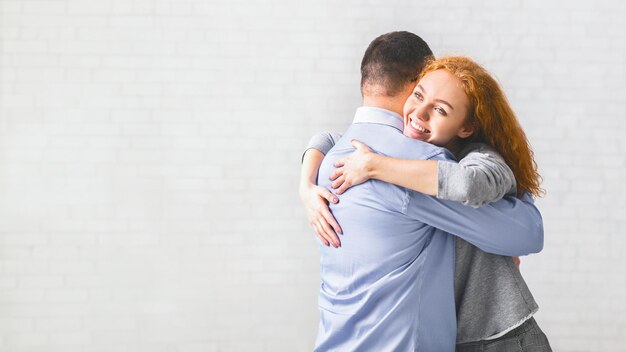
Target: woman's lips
[(417, 127)]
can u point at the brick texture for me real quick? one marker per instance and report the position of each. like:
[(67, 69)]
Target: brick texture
[(150, 149)]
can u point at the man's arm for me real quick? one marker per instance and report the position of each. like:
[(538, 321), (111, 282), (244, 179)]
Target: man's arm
[(511, 226), (480, 177)]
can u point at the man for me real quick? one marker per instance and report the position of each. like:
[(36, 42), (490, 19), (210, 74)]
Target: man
[(390, 287)]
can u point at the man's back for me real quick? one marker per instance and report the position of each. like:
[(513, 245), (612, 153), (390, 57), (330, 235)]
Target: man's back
[(390, 286)]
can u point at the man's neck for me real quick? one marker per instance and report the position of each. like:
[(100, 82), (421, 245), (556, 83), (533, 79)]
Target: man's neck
[(395, 104)]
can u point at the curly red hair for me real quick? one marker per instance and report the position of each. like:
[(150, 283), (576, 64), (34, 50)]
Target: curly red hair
[(493, 119)]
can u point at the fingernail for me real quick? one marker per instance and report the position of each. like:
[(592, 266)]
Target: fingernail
[(335, 200)]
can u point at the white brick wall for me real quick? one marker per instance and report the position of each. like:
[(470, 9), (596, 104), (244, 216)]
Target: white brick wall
[(149, 155)]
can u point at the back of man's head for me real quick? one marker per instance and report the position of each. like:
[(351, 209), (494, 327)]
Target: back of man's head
[(392, 61)]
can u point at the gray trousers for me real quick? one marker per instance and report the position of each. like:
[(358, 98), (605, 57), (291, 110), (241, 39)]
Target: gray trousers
[(527, 337)]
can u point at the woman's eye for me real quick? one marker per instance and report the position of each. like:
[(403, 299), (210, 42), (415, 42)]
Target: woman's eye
[(440, 110), (418, 96)]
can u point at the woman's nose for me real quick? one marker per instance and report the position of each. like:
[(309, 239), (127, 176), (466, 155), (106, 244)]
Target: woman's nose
[(422, 113)]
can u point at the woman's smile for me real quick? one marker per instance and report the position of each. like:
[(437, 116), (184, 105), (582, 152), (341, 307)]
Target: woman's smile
[(415, 125)]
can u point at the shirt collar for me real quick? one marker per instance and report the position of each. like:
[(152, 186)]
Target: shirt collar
[(368, 114)]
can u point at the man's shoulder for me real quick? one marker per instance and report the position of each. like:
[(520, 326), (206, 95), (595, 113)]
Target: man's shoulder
[(424, 150), (389, 141), (407, 148)]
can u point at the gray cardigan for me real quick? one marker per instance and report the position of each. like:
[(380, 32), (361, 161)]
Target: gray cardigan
[(491, 295)]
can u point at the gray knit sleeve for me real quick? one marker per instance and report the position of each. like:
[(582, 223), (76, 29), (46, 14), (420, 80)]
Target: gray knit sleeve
[(323, 141), (480, 177)]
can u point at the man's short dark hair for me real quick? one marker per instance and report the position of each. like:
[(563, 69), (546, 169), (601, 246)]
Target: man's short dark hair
[(392, 61)]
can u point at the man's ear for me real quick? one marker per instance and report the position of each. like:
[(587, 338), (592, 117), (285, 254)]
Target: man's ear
[(467, 130), (409, 88)]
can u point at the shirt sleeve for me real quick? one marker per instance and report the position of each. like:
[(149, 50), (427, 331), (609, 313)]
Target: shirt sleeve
[(323, 141), (480, 177), (510, 226)]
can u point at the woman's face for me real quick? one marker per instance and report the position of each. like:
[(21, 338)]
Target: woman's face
[(437, 109)]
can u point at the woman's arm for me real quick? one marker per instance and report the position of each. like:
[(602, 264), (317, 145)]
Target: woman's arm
[(323, 142), (363, 164), (315, 198), (481, 177)]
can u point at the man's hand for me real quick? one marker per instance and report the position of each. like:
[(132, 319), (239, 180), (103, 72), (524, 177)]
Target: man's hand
[(352, 170), (315, 200)]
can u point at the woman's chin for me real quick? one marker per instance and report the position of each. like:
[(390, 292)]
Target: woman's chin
[(419, 136)]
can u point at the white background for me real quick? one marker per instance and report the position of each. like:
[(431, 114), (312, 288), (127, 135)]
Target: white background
[(150, 150)]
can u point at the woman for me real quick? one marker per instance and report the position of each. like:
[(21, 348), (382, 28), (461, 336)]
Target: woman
[(476, 123)]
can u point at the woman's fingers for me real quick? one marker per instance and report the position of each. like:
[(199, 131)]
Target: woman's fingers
[(343, 187), (330, 219), (339, 163), (318, 232), (357, 144), (360, 146), (326, 194), (338, 172), (324, 232), (328, 233), (338, 182)]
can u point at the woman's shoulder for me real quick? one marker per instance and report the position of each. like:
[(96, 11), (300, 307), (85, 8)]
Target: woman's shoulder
[(478, 148)]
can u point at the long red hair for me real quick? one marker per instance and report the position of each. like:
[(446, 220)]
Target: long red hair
[(493, 119)]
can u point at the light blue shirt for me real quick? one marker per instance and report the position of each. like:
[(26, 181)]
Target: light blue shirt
[(389, 287)]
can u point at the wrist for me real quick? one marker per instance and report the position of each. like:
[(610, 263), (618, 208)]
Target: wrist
[(372, 165), (305, 187)]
